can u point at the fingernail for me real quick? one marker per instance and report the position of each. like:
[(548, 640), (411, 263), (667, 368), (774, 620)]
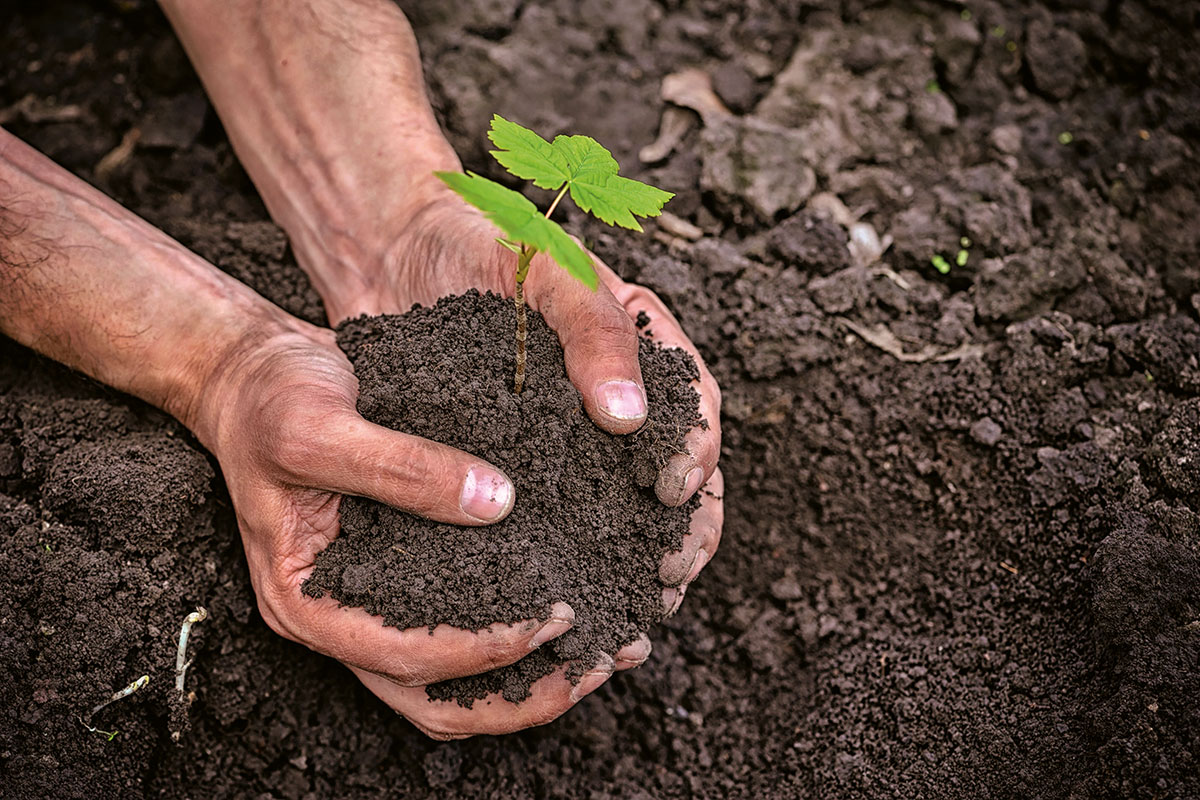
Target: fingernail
[(643, 654), (622, 399), (697, 564), (487, 495), (678, 480), (677, 600), (562, 617), (669, 596), (592, 680)]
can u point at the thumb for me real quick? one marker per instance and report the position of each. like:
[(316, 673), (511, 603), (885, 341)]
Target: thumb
[(407, 472), (600, 346)]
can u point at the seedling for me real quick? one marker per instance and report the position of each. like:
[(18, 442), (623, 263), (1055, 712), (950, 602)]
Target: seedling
[(178, 722), (128, 690), (940, 263), (199, 615), (963, 252), (575, 164)]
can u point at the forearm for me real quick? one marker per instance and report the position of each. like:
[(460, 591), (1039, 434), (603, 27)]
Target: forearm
[(88, 283), (325, 105)]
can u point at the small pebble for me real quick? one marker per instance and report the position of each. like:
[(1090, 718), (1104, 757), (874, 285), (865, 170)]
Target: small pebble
[(986, 432)]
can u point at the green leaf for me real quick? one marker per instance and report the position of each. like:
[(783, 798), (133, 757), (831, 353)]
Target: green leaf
[(527, 155), (581, 163), (616, 199), (521, 221)]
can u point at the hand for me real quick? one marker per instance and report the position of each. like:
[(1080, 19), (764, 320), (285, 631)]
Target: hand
[(354, 192), (281, 420), (449, 247)]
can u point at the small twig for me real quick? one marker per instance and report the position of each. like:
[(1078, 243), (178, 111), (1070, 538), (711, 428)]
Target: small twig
[(128, 690), (199, 615), (880, 336)]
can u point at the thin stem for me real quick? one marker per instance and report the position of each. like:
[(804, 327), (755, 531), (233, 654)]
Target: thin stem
[(199, 615), (128, 690), (527, 254), (554, 205)]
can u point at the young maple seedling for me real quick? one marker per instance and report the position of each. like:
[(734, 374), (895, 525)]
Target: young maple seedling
[(575, 164)]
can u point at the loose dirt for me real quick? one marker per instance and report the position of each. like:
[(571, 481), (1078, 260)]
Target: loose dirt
[(586, 529)]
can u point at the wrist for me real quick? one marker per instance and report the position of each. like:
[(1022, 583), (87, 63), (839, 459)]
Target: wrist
[(328, 114), (348, 246), (203, 391)]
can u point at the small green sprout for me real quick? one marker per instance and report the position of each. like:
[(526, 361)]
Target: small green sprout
[(940, 264), (965, 14), (933, 87), (47, 546), (123, 693), (999, 31), (1011, 46), (575, 164), (964, 242), (1065, 137)]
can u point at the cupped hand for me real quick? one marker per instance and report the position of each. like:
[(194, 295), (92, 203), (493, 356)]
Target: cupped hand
[(282, 422), (448, 247)]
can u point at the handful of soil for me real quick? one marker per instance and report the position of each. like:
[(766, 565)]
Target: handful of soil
[(586, 528)]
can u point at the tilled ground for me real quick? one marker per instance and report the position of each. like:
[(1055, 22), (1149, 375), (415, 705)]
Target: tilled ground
[(962, 555)]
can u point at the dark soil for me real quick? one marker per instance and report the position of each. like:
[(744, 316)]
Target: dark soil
[(969, 577), (587, 528)]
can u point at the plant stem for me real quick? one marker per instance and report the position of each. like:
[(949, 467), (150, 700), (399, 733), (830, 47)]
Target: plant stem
[(527, 254), (128, 690), (554, 205), (199, 615)]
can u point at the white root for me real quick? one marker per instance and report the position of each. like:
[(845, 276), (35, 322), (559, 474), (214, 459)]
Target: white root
[(181, 665)]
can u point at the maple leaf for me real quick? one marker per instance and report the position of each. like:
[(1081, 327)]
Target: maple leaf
[(520, 220), (581, 163)]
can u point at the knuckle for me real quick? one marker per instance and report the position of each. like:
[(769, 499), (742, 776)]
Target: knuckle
[(495, 651), (294, 446), (417, 467), (542, 714), (408, 673), (610, 326)]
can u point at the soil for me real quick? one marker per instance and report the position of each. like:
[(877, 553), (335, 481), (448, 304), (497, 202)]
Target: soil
[(587, 528), (961, 555)]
